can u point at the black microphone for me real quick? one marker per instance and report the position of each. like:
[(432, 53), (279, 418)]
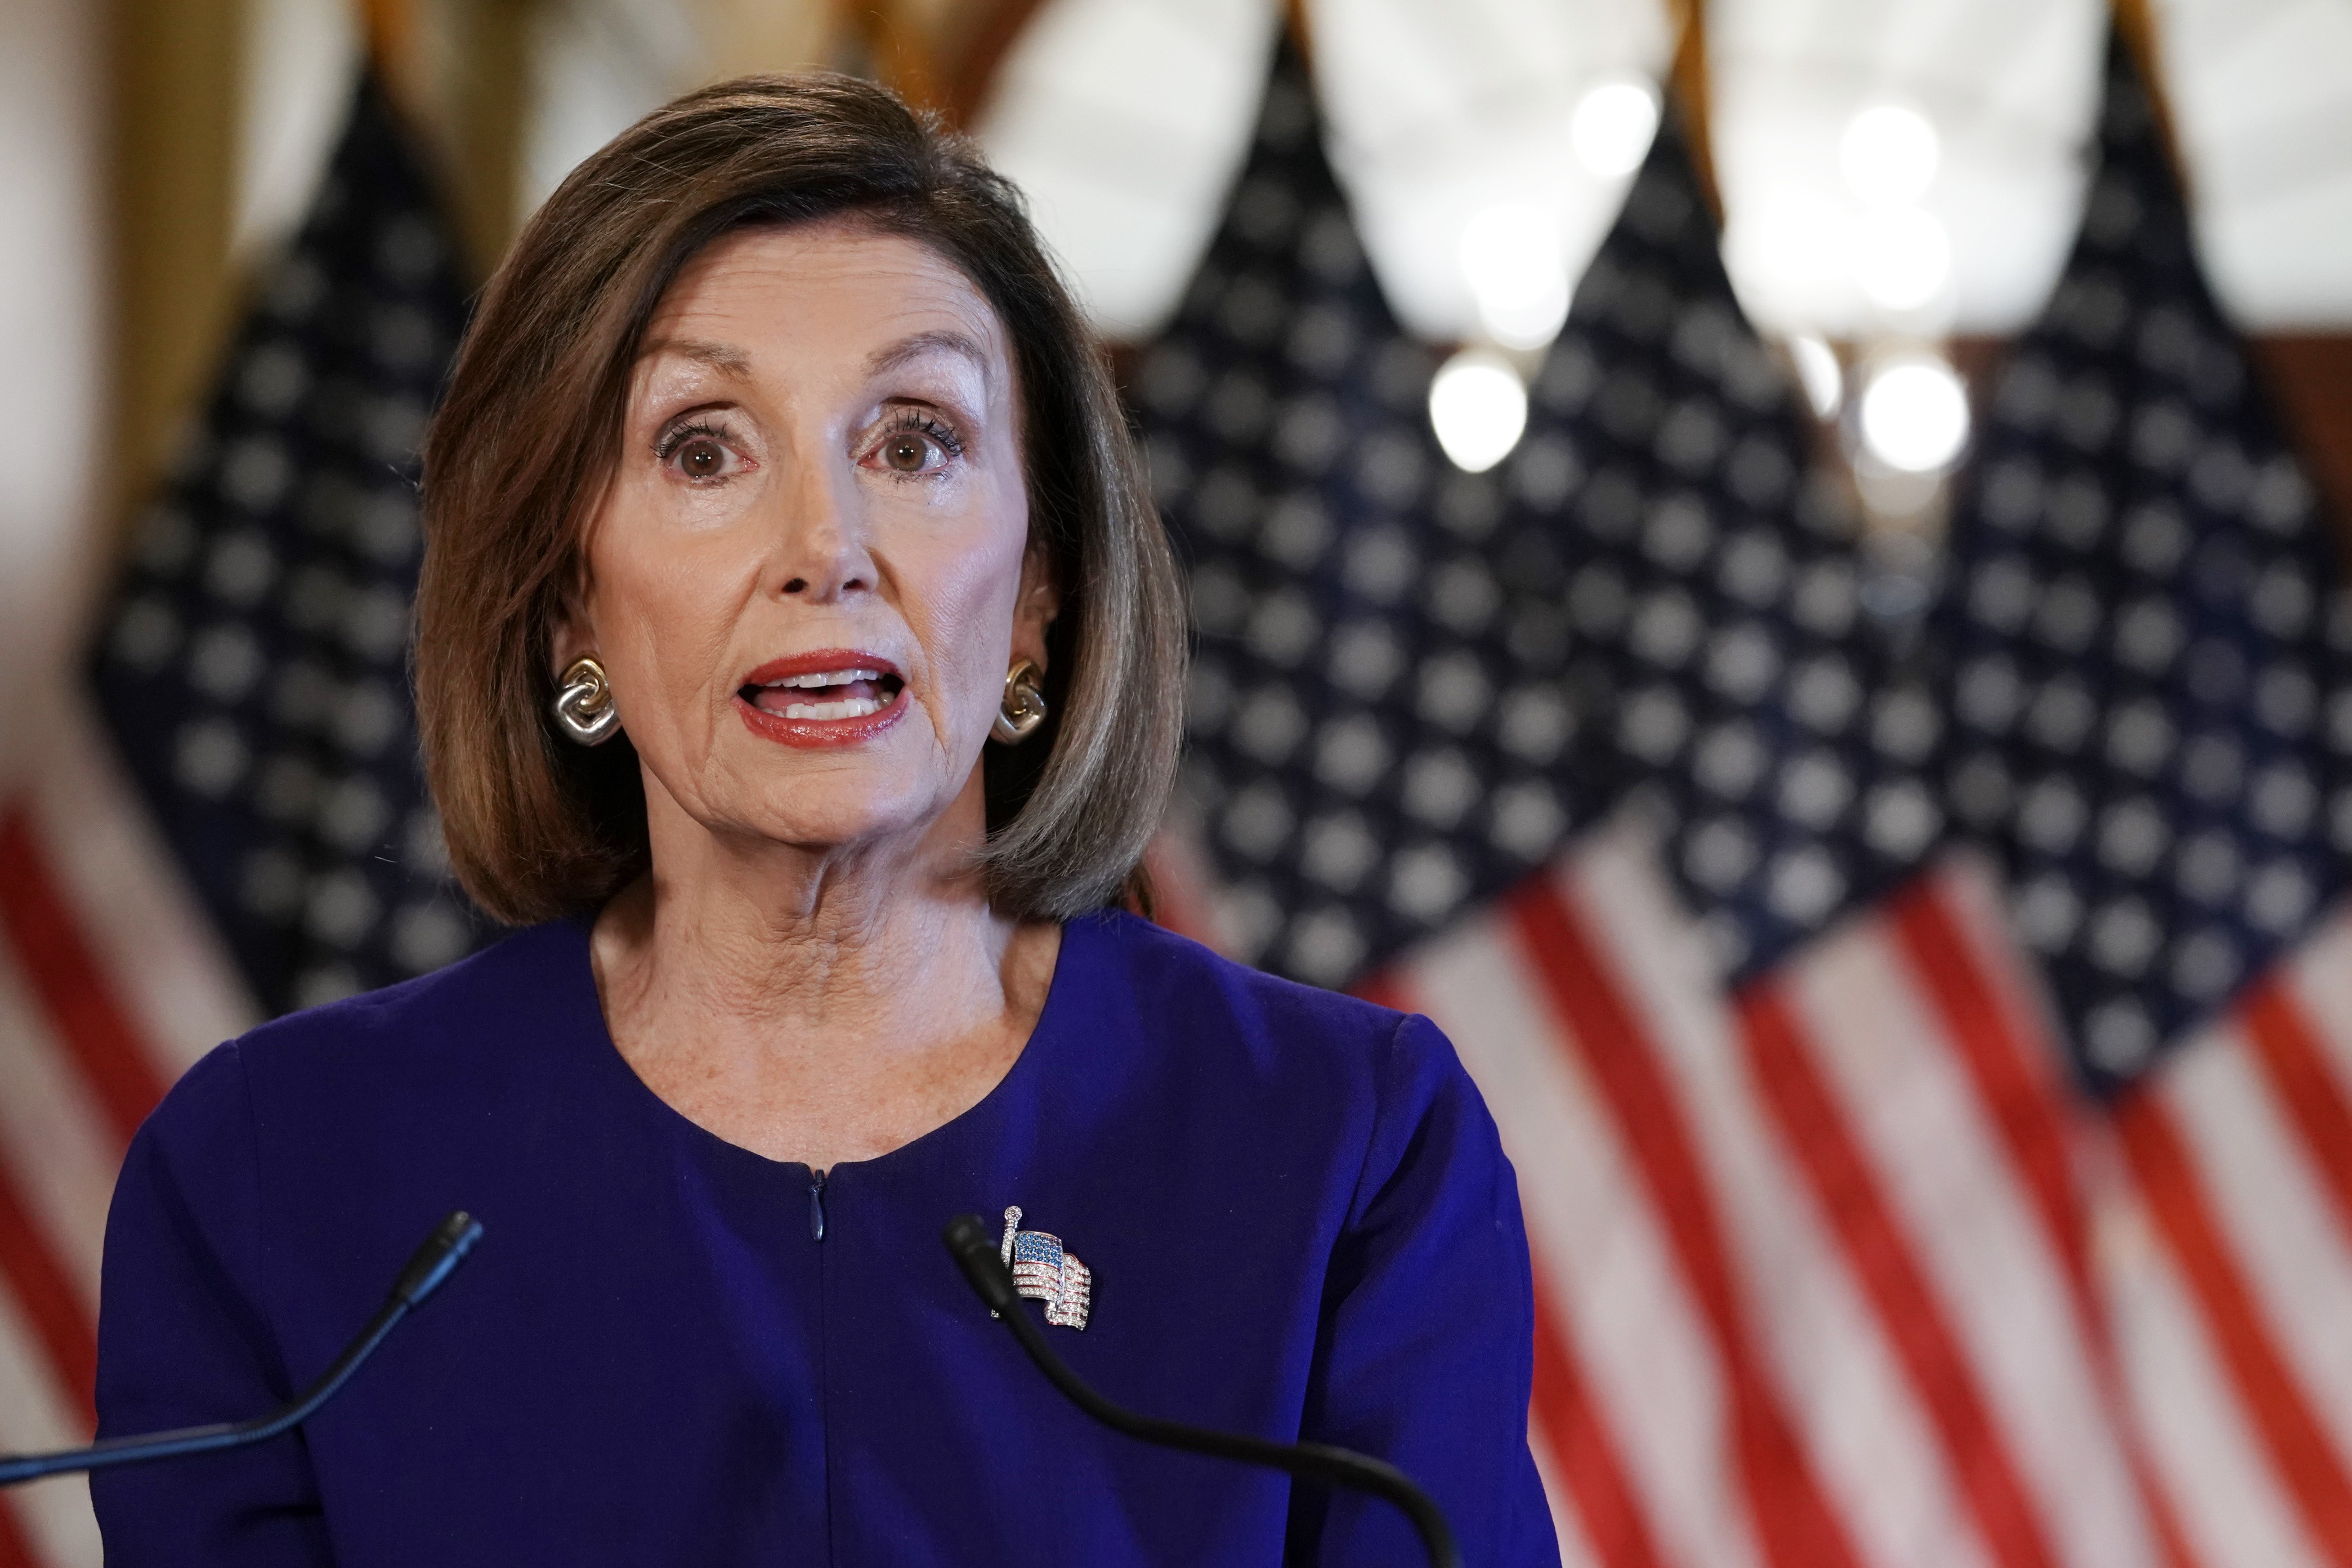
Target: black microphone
[(968, 1239), (442, 1252)]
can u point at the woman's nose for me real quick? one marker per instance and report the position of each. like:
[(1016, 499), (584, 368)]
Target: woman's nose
[(820, 555)]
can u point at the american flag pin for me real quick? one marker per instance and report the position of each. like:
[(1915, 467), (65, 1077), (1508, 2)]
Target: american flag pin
[(1044, 1270)]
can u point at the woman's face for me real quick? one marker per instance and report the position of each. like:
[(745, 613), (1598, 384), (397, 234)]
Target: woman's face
[(811, 571)]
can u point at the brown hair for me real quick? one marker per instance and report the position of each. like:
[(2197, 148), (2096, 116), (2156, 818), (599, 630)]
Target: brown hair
[(525, 442)]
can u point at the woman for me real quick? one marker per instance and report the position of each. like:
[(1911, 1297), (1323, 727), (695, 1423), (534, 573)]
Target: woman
[(796, 643)]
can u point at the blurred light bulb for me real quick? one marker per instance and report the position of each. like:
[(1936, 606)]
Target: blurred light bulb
[(1902, 258), (1511, 257), (1613, 125), (1817, 368), (1478, 408), (1889, 154), (1915, 414)]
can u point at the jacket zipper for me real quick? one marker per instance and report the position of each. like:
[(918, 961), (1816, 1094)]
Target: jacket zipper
[(816, 1205)]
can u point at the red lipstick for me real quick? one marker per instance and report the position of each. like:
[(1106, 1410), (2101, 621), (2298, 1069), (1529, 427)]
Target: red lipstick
[(830, 697)]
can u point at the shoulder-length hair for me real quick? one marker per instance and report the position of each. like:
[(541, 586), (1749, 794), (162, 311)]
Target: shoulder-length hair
[(525, 443)]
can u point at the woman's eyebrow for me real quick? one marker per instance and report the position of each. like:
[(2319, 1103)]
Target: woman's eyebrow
[(724, 358), (941, 339)]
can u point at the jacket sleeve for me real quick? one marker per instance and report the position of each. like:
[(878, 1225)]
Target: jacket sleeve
[(183, 1339), (1426, 1349)]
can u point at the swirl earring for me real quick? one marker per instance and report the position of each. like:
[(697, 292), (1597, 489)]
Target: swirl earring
[(1023, 708), (584, 708)]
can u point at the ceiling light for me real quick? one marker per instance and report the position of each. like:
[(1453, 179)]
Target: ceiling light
[(1478, 408), (1510, 255), (1889, 154), (1817, 371), (1613, 127), (1915, 414), (1901, 259)]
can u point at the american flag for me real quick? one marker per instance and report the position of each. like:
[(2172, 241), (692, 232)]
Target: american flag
[(1920, 1036), (231, 820)]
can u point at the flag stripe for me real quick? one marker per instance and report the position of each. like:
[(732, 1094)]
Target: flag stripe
[(164, 962), (52, 1307), (55, 959), (2284, 1042), (1796, 1527), (2015, 1089), (1936, 1172), (2297, 1447), (15, 1552), (1606, 1270), (1821, 1145), (55, 1143), (2019, 1100), (1583, 1456), (2274, 1216)]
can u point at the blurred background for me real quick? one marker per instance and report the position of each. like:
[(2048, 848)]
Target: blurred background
[(1773, 564)]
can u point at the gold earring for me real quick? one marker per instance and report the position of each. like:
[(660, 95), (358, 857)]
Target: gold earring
[(1023, 708), (584, 708)]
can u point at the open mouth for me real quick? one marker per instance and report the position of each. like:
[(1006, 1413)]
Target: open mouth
[(816, 695)]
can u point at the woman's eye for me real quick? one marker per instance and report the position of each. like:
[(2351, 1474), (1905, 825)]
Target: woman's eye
[(907, 452), (701, 458)]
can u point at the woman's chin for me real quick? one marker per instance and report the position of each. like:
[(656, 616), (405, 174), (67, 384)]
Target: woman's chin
[(840, 812)]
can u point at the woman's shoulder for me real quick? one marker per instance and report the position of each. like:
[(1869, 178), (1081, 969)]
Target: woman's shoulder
[(1201, 1000), (437, 1033)]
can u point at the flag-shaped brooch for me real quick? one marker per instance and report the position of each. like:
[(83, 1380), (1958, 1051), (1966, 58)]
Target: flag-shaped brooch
[(1045, 1272)]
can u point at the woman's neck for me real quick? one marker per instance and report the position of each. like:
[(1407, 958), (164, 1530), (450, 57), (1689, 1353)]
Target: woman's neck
[(818, 1006)]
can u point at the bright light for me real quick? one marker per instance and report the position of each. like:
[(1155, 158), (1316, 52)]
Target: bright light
[(1511, 257), (1478, 408), (1613, 125), (1915, 414), (1889, 154), (1901, 259), (1817, 368)]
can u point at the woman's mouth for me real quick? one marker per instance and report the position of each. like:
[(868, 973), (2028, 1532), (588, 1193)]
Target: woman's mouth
[(836, 697), (825, 695)]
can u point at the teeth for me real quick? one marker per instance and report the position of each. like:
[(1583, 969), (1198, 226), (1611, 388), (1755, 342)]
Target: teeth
[(828, 678), (848, 707)]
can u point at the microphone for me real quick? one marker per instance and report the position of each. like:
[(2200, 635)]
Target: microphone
[(442, 1252), (968, 1240)]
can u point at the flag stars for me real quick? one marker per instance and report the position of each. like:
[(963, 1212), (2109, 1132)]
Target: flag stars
[(1453, 693), (1351, 755), (2120, 1037), (1339, 851), (1536, 724), (225, 661), (1270, 725), (1297, 533), (2122, 937), (2133, 837), (255, 473), (1527, 820), (240, 568), (1365, 659), (2050, 816), (210, 758), (2061, 714), (2140, 737), (147, 634)]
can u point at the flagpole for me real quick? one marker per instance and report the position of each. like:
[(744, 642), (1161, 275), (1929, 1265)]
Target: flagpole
[(1686, 86), (2136, 21)]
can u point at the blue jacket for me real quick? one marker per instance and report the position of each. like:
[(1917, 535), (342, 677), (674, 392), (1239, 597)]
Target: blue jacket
[(1292, 1205)]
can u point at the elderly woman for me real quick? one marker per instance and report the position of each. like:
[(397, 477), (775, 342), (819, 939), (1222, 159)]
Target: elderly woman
[(797, 646)]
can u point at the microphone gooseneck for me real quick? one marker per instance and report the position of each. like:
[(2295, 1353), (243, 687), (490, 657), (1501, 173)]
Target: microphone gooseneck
[(968, 1240), (432, 1263)]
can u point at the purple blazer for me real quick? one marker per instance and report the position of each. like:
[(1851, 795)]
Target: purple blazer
[(669, 1350)]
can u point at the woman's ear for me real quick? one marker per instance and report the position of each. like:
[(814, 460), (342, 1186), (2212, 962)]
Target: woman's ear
[(1040, 602), (573, 635)]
